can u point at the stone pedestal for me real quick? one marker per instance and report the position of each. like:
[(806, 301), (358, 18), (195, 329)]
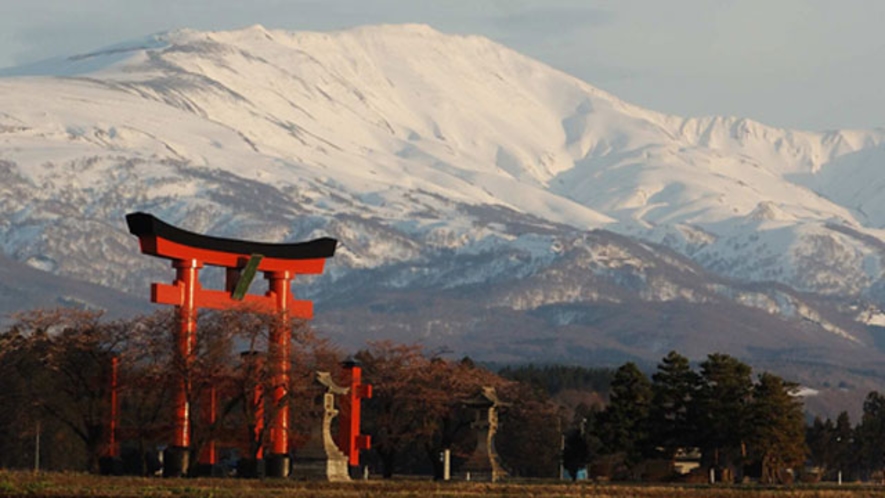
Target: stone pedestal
[(320, 458)]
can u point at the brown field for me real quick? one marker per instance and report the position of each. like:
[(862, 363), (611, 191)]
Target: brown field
[(81, 485)]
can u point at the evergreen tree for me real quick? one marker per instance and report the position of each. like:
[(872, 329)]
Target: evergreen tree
[(832, 446), (723, 403), (821, 440), (624, 427), (777, 428), (673, 415), (844, 441), (575, 452), (870, 432)]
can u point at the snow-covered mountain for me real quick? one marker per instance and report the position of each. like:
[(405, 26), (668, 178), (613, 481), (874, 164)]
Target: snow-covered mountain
[(440, 162)]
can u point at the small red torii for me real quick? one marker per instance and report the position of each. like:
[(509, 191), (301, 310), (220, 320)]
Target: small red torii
[(350, 441), (280, 263)]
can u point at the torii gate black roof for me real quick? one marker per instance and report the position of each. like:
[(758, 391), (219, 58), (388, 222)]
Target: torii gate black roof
[(144, 224)]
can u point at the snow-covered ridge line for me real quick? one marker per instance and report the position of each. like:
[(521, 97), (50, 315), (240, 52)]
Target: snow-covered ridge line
[(403, 141)]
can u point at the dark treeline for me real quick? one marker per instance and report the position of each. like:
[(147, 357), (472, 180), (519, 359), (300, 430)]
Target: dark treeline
[(854, 451), (740, 427), (723, 419), (554, 379), (619, 424)]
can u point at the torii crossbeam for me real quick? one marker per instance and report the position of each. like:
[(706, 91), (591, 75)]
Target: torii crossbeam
[(280, 263)]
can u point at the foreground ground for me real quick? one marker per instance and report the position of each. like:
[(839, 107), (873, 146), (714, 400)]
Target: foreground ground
[(80, 485)]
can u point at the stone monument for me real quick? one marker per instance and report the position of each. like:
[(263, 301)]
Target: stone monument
[(484, 464), (320, 458)]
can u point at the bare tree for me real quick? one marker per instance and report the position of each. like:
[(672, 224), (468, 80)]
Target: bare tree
[(72, 351), (417, 401)]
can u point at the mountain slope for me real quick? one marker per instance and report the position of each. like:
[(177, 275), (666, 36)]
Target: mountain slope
[(447, 165), (377, 115), (23, 288)]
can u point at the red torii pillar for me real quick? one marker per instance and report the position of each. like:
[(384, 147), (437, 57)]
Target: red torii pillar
[(208, 459), (113, 447), (280, 263), (350, 441), (255, 398), (110, 463)]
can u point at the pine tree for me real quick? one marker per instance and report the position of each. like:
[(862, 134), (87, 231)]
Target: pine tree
[(672, 421), (844, 441), (870, 432), (575, 452), (723, 403), (821, 440), (777, 436), (624, 426), (832, 446)]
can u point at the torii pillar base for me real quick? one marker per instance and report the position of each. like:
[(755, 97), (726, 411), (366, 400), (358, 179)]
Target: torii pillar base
[(175, 461), (277, 466)]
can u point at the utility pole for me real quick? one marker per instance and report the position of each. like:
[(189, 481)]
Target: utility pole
[(37, 449)]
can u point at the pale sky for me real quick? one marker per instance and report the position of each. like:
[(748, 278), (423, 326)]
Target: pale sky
[(809, 64)]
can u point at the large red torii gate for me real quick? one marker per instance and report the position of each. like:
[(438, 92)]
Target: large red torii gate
[(280, 263)]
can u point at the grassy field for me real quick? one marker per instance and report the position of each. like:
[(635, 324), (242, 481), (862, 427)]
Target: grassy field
[(81, 485)]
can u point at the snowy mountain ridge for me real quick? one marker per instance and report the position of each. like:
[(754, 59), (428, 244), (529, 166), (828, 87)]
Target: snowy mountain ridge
[(441, 162)]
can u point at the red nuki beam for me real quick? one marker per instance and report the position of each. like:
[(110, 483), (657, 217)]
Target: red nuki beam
[(280, 263), (350, 441)]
